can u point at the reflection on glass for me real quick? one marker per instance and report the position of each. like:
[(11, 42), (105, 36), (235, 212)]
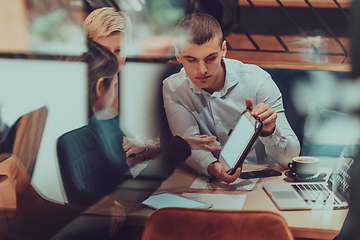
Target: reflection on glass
[(327, 99), (153, 26), (313, 47), (43, 27), (27, 85)]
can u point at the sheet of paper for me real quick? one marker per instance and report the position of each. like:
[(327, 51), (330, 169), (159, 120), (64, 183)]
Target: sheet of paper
[(219, 201), (171, 200), (239, 185), (135, 170)]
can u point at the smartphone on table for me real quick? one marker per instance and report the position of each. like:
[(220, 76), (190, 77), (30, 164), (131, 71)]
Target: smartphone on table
[(260, 174)]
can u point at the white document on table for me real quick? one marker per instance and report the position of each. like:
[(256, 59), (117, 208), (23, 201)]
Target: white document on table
[(135, 170), (219, 201), (239, 185)]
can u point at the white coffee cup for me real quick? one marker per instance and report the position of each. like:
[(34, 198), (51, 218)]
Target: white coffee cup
[(304, 165)]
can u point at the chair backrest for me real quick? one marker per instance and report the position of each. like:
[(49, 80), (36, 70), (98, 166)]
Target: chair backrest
[(29, 131), (184, 223), (91, 161)]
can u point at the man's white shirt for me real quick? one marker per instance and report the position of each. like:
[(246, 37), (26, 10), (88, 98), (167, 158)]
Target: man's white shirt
[(192, 111)]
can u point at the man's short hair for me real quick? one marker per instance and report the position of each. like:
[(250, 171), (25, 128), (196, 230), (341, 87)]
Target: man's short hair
[(107, 20), (198, 28)]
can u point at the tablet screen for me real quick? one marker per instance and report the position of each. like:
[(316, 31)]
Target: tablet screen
[(237, 141), (162, 200)]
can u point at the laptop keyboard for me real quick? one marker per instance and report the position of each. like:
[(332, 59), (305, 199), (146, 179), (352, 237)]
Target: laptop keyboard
[(315, 193)]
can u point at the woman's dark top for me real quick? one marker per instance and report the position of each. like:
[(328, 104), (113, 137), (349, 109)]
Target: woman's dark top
[(92, 161)]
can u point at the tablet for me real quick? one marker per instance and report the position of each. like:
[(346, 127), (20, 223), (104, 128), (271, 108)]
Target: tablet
[(240, 141), (165, 199)]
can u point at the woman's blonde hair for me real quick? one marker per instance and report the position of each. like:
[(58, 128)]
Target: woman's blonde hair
[(107, 20)]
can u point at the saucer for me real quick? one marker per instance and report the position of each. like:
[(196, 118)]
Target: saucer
[(305, 178)]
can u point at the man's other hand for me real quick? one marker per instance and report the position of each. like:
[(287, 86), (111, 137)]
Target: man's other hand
[(203, 142), (266, 114)]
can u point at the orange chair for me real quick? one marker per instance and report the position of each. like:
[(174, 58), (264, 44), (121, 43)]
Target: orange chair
[(29, 130), (33, 216), (191, 224)]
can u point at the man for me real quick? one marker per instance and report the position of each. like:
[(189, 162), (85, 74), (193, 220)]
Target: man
[(210, 92)]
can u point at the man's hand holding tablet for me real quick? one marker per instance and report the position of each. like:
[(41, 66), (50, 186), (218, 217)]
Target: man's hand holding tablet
[(217, 170), (242, 138)]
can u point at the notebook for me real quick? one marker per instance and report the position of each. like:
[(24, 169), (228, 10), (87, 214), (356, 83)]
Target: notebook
[(308, 195)]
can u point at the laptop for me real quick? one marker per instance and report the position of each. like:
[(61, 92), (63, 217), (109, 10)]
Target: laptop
[(334, 193)]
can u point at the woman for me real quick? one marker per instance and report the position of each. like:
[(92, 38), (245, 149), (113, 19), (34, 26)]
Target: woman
[(103, 136), (92, 160), (112, 29)]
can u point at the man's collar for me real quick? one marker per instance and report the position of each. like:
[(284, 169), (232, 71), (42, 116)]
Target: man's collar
[(231, 78), (195, 88)]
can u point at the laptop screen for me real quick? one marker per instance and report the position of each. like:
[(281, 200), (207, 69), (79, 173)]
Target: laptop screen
[(339, 180)]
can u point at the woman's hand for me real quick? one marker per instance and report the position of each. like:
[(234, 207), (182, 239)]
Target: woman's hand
[(142, 150), (133, 146), (202, 142)]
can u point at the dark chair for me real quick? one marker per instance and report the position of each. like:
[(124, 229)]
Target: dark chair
[(92, 161)]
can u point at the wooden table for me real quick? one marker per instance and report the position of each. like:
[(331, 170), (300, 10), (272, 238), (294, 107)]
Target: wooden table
[(316, 224)]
